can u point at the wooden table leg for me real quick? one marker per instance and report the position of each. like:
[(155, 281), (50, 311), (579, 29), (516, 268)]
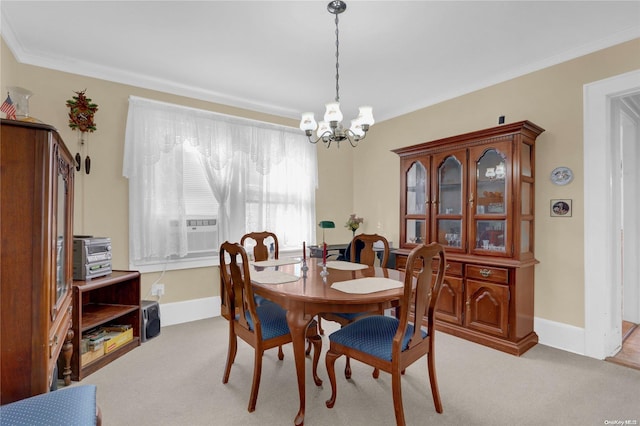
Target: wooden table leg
[(298, 329)]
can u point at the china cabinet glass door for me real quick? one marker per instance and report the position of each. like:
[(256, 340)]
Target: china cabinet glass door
[(489, 201), (62, 221), (526, 199), (450, 203), (416, 202)]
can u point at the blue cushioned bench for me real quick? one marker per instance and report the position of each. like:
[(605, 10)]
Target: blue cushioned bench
[(73, 406)]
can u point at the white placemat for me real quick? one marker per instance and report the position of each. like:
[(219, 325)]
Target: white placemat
[(272, 277), (276, 262), (367, 285), (344, 266)]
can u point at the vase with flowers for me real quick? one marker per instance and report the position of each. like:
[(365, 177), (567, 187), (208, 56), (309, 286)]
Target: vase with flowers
[(353, 223)]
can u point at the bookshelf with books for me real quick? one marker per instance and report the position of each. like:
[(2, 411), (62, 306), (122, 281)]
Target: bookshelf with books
[(106, 320)]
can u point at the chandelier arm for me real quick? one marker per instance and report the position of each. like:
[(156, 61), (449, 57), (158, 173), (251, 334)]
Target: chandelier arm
[(353, 138)]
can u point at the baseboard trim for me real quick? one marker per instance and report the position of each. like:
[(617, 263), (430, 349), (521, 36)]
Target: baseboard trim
[(189, 310), (550, 333), (559, 335)]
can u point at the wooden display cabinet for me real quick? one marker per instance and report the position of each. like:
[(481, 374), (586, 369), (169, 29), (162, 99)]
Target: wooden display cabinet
[(36, 268), (113, 299), (474, 193)]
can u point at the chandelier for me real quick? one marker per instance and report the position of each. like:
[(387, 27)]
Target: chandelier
[(331, 129)]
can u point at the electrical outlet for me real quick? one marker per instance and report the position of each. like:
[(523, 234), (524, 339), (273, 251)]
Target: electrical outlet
[(157, 290)]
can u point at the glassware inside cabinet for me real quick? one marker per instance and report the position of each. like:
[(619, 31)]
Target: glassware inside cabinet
[(416, 190), (491, 183), (449, 232), (416, 231), (491, 234), (450, 187)]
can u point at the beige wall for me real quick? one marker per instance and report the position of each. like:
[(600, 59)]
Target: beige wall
[(101, 199), (552, 99), (363, 180)]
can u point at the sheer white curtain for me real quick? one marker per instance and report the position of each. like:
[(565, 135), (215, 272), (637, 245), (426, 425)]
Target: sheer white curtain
[(263, 177)]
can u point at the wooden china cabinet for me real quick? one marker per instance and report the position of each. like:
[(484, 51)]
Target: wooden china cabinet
[(474, 193), (36, 191)]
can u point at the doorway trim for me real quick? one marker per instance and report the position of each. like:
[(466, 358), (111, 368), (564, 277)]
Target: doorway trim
[(603, 289)]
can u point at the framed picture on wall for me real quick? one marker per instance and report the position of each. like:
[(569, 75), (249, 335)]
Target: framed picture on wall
[(561, 208)]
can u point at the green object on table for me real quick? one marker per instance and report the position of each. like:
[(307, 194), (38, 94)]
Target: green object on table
[(325, 224)]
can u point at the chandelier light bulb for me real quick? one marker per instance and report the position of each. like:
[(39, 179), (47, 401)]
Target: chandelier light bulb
[(356, 128), (333, 112), (308, 122), (323, 128), (365, 116)]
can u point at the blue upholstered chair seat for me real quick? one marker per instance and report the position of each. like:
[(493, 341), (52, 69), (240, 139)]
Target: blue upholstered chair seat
[(372, 335), (273, 320), (73, 406), (260, 300)]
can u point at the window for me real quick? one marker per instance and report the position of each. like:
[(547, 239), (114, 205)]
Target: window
[(198, 178)]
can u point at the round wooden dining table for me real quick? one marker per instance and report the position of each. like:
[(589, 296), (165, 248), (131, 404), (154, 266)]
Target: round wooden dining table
[(313, 293)]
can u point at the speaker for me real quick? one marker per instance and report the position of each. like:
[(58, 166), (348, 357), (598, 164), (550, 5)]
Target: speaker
[(150, 320)]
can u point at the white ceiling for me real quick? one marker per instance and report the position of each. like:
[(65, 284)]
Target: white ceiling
[(279, 56)]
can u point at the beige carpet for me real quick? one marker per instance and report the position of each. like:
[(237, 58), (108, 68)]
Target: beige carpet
[(176, 379)]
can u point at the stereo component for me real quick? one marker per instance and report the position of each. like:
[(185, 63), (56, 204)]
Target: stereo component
[(91, 257)]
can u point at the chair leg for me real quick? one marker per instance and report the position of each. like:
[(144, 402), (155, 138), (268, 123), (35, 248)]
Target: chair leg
[(431, 364), (317, 349), (330, 361), (280, 353), (376, 373), (255, 386), (396, 390), (347, 368), (231, 355), (308, 350)]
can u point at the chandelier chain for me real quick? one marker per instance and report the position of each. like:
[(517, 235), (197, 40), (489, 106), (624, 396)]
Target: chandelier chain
[(337, 62)]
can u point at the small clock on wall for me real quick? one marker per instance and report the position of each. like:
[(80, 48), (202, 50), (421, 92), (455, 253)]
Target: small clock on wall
[(561, 175)]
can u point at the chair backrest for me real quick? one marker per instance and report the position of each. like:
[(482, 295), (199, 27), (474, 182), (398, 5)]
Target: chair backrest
[(362, 249), (236, 279), (261, 249), (423, 299)]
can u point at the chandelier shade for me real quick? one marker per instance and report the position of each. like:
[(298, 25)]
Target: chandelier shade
[(330, 129)]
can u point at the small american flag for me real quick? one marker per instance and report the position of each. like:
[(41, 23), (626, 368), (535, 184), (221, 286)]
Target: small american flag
[(9, 108)]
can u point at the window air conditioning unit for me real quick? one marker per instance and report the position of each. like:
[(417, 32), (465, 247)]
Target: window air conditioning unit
[(202, 235)]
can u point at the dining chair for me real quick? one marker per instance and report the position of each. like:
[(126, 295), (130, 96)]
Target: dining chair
[(392, 344), (361, 250), (263, 327), (260, 249), (261, 253)]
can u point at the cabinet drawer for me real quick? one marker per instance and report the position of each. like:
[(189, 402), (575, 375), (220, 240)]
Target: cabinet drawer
[(488, 273), (401, 263), (451, 268)]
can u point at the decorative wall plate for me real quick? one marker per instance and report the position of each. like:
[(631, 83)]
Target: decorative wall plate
[(561, 175)]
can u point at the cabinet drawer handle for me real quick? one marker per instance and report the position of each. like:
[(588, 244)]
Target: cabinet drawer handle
[(448, 266), (485, 272)]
